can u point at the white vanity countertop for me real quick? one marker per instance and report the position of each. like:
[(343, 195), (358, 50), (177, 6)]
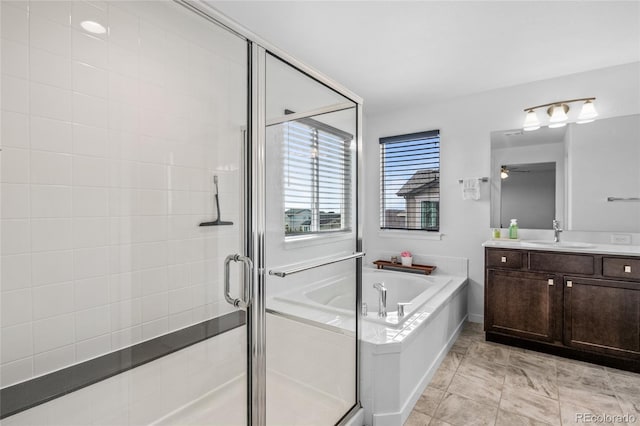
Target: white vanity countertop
[(617, 249)]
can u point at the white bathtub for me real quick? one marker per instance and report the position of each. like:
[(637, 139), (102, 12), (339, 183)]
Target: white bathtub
[(338, 294), (399, 356)]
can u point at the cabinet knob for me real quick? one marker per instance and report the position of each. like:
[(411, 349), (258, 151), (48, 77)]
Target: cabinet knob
[(569, 284), (503, 259), (627, 268), (550, 281)]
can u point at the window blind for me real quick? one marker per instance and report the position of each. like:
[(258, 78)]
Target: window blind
[(317, 174), (410, 181)]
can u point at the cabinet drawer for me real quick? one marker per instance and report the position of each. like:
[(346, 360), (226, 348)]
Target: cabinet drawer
[(562, 263), (504, 259), (617, 267)]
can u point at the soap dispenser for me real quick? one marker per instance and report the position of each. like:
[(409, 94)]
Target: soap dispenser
[(513, 229)]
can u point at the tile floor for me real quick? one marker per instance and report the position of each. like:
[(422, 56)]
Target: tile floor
[(484, 383)]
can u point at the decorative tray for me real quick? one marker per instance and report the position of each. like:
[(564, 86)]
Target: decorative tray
[(425, 269)]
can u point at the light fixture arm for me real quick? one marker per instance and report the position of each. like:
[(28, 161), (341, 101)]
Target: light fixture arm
[(558, 103)]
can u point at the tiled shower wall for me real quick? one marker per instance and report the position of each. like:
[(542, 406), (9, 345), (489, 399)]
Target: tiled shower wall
[(109, 147)]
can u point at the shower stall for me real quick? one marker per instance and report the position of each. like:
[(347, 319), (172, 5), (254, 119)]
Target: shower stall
[(165, 176)]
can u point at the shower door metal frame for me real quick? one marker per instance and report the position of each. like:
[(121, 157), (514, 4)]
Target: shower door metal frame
[(255, 199)]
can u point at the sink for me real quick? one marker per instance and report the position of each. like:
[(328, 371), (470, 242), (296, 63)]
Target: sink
[(560, 244)]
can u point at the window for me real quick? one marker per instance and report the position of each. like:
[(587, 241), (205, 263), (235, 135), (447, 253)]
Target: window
[(410, 181), (317, 174)]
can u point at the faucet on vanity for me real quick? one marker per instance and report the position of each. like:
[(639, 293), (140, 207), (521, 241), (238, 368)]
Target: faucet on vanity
[(556, 231), (382, 299)]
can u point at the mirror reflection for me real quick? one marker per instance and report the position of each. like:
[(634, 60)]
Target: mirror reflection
[(569, 174), (528, 194)]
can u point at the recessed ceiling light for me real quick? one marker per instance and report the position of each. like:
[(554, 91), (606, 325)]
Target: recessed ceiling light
[(93, 27)]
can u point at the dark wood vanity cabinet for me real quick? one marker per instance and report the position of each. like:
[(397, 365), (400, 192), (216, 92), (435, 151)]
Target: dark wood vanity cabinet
[(522, 304), (602, 315), (585, 306)]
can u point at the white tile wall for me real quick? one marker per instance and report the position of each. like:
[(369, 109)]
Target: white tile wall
[(109, 145)]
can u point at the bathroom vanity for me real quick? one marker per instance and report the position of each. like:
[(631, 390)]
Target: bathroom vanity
[(579, 303)]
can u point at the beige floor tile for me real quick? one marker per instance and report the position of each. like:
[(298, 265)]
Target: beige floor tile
[(542, 384), (630, 404), (438, 422), (537, 389), (624, 381), (530, 404), (485, 392), (442, 378), (489, 352), (482, 369), (533, 362), (451, 361), (417, 418), (460, 411), (429, 400), (578, 403), (475, 327), (595, 401), (462, 344), (576, 414), (445, 372), (506, 418), (577, 374)]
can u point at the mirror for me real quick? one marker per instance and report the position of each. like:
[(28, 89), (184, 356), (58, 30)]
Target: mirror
[(528, 194), (592, 163)]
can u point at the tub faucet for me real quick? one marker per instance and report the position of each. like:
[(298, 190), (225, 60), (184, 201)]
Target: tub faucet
[(382, 299), (556, 231)]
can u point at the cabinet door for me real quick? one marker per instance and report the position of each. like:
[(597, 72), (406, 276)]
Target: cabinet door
[(520, 303), (602, 316)]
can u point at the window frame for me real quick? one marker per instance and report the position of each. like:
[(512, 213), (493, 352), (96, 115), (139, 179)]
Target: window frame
[(315, 210), (406, 138)]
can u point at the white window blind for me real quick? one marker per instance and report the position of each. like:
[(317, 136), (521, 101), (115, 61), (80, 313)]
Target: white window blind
[(410, 181), (317, 174)]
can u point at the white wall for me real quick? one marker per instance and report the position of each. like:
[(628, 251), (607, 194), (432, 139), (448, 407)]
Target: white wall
[(109, 145), (465, 125)]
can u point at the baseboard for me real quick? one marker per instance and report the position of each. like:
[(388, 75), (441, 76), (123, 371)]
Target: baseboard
[(476, 318)]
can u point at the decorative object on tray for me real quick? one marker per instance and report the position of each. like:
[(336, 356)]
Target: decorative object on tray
[(406, 257), (424, 269), (394, 259)]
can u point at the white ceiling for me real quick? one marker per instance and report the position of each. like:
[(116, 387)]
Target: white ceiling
[(398, 53)]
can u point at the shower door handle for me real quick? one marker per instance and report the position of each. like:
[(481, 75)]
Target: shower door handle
[(247, 283)]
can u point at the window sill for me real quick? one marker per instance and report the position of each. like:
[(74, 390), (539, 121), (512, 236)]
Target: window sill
[(291, 243), (411, 235)]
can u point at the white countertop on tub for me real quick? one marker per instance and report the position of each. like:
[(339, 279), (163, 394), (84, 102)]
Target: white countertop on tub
[(388, 338), (617, 249)]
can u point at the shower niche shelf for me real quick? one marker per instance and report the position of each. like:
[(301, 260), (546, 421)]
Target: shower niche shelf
[(415, 268)]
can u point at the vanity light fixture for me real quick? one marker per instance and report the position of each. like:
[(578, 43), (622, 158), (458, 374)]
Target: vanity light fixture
[(558, 115), (588, 113), (557, 111), (504, 172), (531, 122)]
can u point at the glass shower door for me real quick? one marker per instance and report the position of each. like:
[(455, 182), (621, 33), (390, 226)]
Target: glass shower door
[(123, 192), (311, 249)]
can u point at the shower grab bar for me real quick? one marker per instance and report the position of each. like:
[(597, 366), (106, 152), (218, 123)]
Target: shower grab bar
[(283, 274), (623, 199), (247, 292)]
